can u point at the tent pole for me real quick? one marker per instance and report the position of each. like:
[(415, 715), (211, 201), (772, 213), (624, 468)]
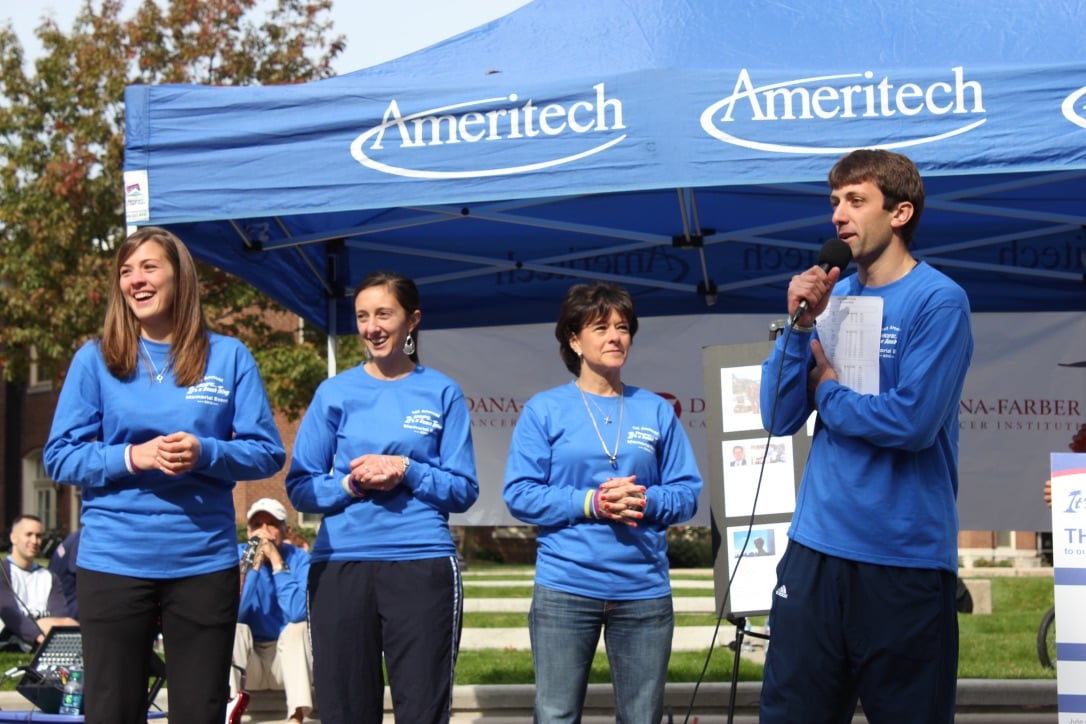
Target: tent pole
[(332, 338)]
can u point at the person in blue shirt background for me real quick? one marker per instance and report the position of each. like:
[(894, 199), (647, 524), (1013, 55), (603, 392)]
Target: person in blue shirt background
[(864, 606), (271, 644), (603, 468), (156, 422), (384, 452)]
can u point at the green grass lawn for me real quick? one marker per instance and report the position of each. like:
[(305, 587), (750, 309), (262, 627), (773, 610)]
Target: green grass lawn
[(1001, 645), (491, 666)]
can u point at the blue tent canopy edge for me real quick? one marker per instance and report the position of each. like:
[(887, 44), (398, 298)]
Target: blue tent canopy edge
[(683, 153)]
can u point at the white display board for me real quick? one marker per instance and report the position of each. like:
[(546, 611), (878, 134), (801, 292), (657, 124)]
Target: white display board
[(752, 480)]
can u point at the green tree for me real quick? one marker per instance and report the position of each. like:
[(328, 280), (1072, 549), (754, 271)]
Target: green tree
[(61, 159)]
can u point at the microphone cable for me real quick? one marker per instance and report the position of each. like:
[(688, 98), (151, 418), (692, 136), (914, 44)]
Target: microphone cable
[(746, 539)]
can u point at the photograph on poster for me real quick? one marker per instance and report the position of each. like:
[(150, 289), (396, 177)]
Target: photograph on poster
[(742, 463), (758, 542), (755, 574), (740, 390)]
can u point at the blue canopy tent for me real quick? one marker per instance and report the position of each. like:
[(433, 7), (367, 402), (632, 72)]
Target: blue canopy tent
[(680, 149)]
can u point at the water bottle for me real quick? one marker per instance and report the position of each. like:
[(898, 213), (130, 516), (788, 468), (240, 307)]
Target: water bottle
[(72, 700)]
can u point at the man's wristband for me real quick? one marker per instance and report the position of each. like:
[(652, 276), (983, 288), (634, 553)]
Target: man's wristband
[(801, 328)]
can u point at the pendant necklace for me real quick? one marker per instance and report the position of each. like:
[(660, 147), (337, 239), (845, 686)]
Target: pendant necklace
[(158, 375), (606, 418), (612, 456)]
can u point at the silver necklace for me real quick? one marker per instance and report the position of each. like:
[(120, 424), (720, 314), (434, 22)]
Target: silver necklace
[(606, 418), (158, 375), (612, 456)]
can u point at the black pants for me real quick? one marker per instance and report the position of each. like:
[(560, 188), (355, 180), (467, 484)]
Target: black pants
[(120, 617), (409, 610), (844, 630)]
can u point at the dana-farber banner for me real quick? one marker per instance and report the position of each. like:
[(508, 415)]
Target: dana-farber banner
[(1024, 397)]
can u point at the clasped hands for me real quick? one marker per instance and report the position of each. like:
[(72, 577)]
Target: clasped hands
[(377, 472), (173, 454), (621, 500), (267, 551)]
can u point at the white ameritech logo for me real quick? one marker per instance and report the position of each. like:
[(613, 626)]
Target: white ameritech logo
[(760, 109), (1074, 107), (407, 145)]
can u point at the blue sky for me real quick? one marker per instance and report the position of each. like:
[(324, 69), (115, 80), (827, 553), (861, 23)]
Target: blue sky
[(376, 30)]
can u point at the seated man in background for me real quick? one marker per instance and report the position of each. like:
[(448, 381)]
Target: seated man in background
[(271, 643), (31, 597)]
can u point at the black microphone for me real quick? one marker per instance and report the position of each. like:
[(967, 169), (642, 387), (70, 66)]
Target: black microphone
[(834, 253)]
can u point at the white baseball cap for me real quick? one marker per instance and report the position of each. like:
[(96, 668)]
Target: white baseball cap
[(271, 506)]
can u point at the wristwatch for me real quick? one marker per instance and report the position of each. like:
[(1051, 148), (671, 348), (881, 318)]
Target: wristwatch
[(406, 461)]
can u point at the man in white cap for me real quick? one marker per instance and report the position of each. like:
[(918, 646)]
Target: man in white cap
[(271, 644)]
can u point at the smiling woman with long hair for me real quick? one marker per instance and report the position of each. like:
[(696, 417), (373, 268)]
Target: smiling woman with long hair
[(155, 423)]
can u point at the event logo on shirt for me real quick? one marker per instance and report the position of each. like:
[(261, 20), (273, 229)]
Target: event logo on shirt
[(888, 341), (759, 116), (440, 143), (643, 437), (424, 422), (1074, 107), (209, 392)]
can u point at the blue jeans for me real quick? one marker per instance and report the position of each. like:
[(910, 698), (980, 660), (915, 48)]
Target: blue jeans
[(565, 630)]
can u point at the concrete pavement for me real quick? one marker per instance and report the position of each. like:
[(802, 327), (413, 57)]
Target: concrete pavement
[(980, 701)]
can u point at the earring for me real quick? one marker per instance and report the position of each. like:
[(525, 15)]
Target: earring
[(409, 345)]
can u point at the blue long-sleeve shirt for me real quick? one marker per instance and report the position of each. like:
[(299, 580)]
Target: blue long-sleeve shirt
[(423, 416), (269, 601), (881, 482), (556, 457), (149, 524)]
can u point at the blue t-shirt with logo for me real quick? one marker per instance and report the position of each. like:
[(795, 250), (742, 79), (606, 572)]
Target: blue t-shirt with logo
[(423, 416), (152, 525), (557, 456), (881, 481)]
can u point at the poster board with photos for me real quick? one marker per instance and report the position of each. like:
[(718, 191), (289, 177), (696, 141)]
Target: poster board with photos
[(751, 503)]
